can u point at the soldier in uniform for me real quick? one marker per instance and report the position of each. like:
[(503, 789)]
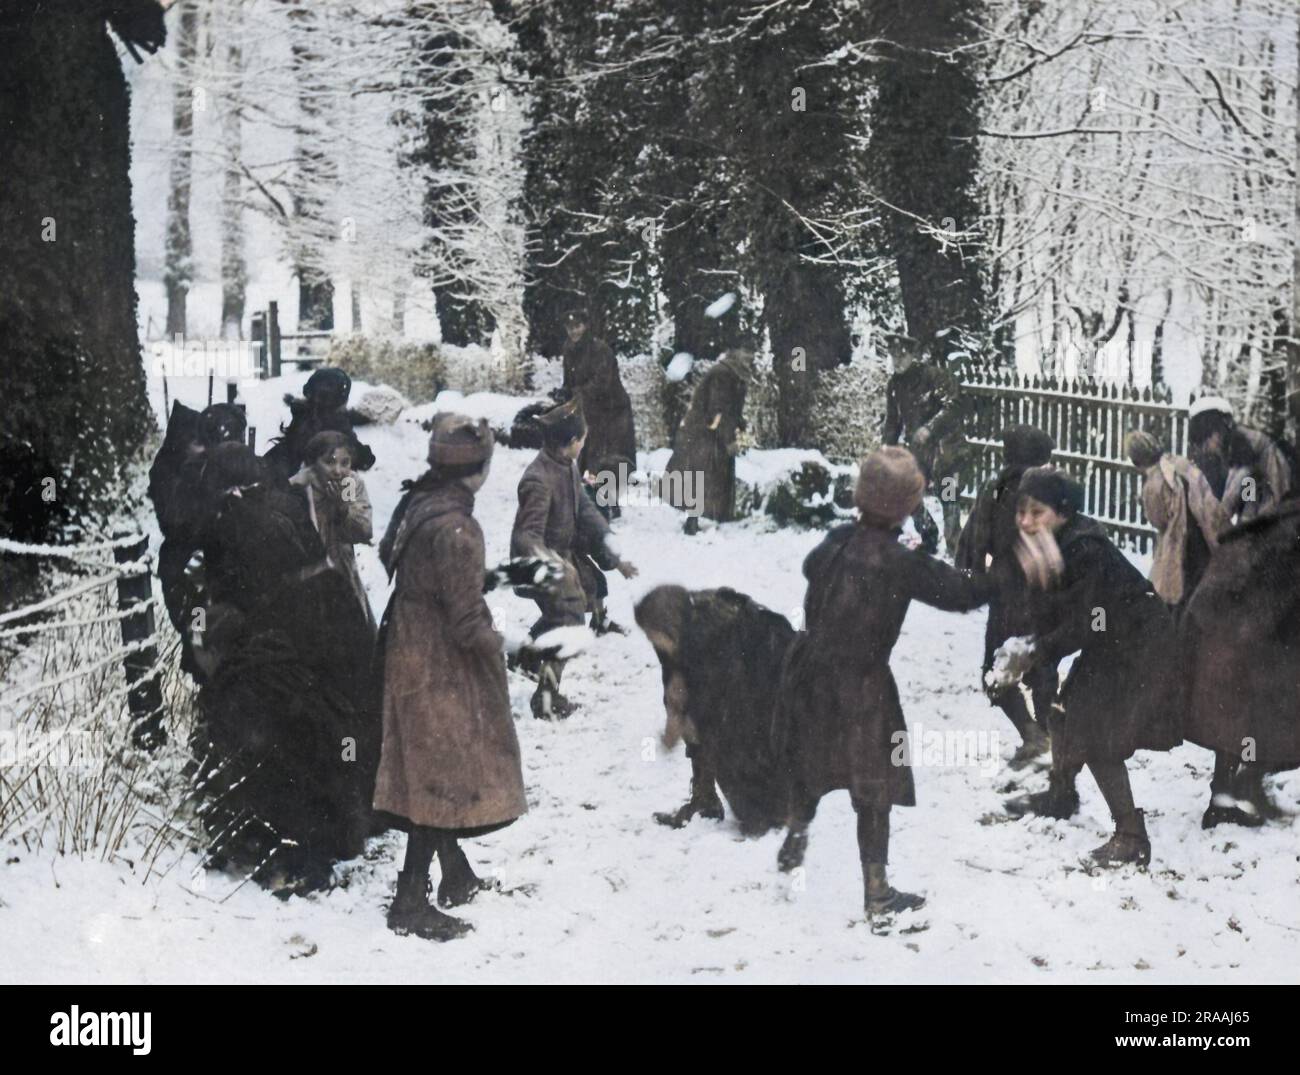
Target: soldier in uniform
[(924, 411)]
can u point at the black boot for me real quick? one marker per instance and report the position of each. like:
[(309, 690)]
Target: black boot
[(692, 526), (411, 912), (1225, 810), (881, 897), (1129, 844), (547, 701), (793, 849), (1060, 800), (459, 883), (1252, 799)]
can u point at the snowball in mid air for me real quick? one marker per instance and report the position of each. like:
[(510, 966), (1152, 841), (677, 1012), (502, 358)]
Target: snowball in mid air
[(718, 307), (680, 366)]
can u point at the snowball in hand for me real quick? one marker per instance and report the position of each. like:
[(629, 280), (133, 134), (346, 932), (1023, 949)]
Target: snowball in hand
[(680, 366), (718, 307), (1010, 662)]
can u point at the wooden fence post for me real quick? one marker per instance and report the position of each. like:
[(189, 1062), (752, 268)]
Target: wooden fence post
[(144, 692), (273, 335)]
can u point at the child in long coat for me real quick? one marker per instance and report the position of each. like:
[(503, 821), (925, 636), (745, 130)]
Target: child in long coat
[(450, 761), (838, 717), (1117, 697)]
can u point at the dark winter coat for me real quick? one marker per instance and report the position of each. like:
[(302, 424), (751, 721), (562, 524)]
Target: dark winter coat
[(555, 515), (450, 754), (272, 748), (286, 455), (706, 442), (838, 713), (987, 544), (926, 396), (591, 375), (720, 686), (1241, 638), (1121, 692)]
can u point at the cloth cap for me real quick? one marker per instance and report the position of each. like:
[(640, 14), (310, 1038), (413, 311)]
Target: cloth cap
[(890, 486), (458, 440)]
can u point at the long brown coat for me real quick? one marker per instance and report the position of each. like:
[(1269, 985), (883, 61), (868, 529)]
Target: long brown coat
[(450, 756), (591, 375), (705, 444), (1241, 632), (838, 714), (555, 515)]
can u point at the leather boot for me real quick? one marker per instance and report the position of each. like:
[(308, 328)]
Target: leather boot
[(881, 897), (411, 912), (1225, 810), (1060, 800), (1129, 844), (459, 883), (792, 851)]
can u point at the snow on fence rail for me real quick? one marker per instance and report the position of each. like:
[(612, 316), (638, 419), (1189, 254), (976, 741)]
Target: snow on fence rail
[(1088, 420)]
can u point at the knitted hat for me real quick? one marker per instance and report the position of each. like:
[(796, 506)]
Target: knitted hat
[(1143, 449), (1026, 446), (890, 486), (564, 423), (458, 441), (328, 385), (1053, 487)]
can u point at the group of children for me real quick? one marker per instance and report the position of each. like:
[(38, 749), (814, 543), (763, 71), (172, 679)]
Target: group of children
[(437, 728)]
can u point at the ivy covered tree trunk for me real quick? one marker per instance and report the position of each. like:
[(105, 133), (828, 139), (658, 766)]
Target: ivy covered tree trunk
[(924, 124), (76, 414)]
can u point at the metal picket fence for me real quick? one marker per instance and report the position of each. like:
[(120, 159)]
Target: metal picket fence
[(1088, 420)]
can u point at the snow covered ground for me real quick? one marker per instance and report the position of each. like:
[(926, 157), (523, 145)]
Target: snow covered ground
[(594, 890)]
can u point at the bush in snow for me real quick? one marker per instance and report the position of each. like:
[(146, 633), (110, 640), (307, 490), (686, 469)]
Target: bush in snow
[(417, 370), (811, 496)]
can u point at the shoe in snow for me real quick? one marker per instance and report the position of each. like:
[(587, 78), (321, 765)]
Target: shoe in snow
[(1128, 845), (412, 914)]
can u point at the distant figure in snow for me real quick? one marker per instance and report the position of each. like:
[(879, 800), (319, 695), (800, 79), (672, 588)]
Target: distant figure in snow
[(591, 377), (925, 411), (706, 446), (324, 406)]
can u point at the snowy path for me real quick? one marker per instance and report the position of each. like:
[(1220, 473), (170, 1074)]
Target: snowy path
[(602, 893)]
